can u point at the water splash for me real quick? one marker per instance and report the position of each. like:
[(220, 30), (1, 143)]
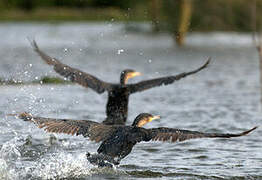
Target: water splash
[(68, 165), (62, 165), (4, 174), (18, 162), (11, 150), (10, 157)]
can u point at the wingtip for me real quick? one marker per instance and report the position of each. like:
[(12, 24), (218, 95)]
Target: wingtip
[(250, 130), (34, 45), (207, 62), (204, 65), (49, 60), (14, 115), (254, 128), (24, 115), (209, 59)]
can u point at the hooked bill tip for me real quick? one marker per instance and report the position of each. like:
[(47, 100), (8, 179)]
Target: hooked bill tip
[(137, 73), (156, 117)]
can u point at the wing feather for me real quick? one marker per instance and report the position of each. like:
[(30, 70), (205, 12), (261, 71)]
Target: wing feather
[(63, 128), (73, 74), (95, 131), (174, 135)]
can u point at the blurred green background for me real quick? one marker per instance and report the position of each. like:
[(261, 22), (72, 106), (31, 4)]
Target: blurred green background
[(207, 15)]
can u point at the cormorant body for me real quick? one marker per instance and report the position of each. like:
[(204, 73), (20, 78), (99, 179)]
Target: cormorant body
[(117, 105), (118, 94), (122, 141)]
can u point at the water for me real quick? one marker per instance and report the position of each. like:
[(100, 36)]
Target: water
[(222, 98)]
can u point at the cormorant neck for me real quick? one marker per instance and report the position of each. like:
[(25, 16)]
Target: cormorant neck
[(123, 78), (136, 121)]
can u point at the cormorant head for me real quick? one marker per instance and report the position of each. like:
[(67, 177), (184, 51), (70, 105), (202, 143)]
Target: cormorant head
[(127, 74), (144, 118)]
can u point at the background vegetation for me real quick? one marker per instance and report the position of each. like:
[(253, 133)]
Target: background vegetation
[(207, 15)]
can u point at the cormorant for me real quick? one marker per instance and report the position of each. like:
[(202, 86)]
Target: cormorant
[(118, 94), (118, 140)]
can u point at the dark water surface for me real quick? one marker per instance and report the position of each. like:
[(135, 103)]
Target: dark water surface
[(223, 98)]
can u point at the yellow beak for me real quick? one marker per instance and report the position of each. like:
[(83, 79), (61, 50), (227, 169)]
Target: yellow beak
[(154, 117), (134, 74)]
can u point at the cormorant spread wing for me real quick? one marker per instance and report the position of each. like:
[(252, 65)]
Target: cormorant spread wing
[(147, 84), (174, 135), (73, 74), (94, 130), (100, 132)]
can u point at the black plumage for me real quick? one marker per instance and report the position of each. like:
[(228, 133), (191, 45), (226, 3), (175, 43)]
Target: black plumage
[(118, 94), (118, 140)]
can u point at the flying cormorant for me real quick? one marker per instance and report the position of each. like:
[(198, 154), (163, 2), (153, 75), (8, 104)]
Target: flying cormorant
[(118, 94), (118, 140)]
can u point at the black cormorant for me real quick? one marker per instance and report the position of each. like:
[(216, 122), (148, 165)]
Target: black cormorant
[(118, 140), (118, 94)]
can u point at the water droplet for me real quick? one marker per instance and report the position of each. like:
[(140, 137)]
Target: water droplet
[(149, 60), (65, 49), (36, 78), (119, 51), (30, 65)]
